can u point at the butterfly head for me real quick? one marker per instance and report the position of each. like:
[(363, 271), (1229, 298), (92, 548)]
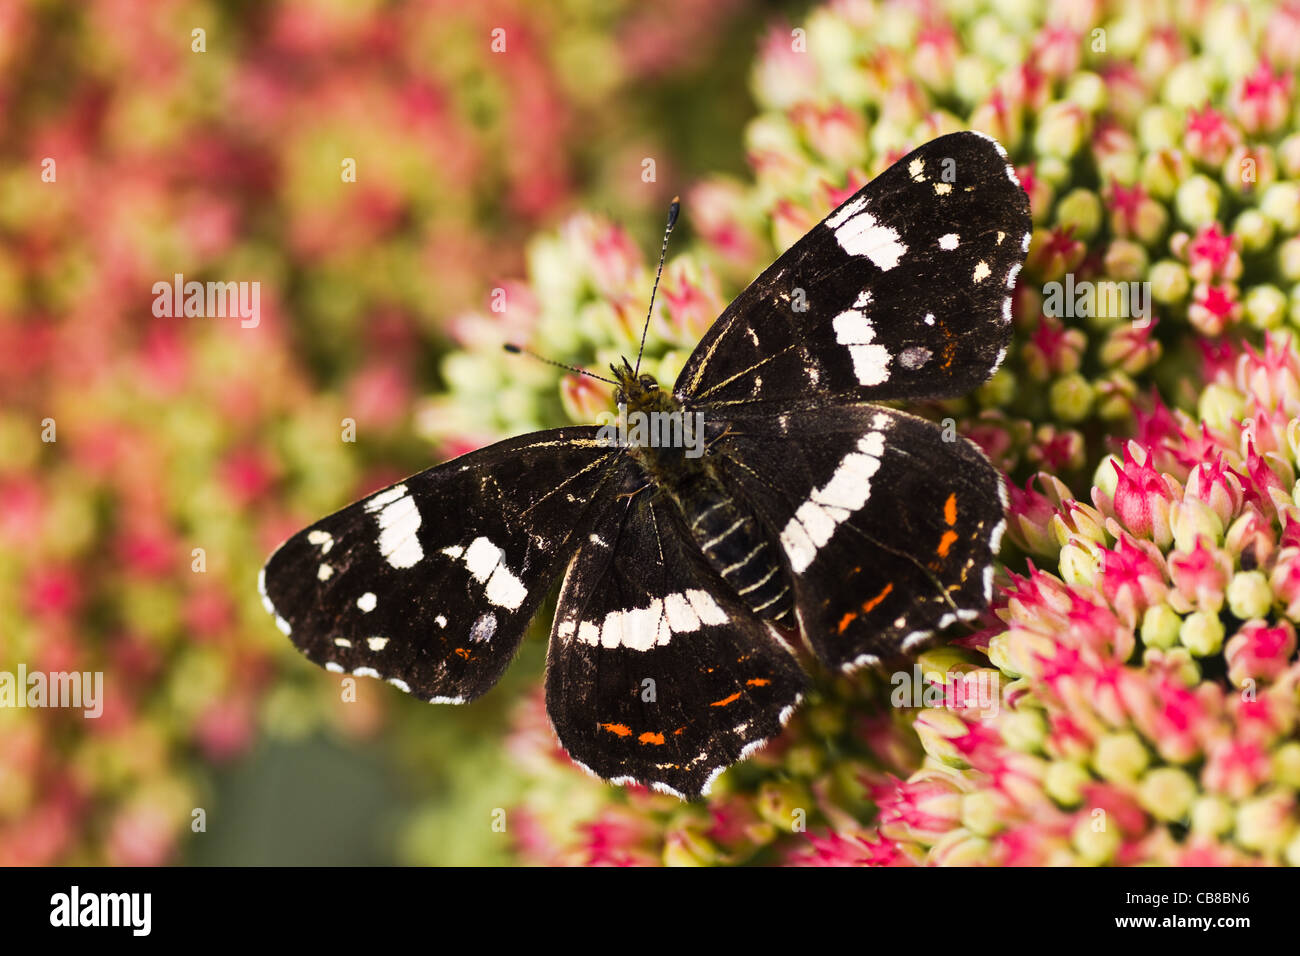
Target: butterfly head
[(640, 393)]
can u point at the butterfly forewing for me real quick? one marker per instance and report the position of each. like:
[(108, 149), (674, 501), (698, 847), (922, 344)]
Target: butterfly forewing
[(904, 291), (431, 583), (657, 674)]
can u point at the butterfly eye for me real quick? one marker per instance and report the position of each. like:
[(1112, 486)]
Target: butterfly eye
[(619, 397), (648, 383)]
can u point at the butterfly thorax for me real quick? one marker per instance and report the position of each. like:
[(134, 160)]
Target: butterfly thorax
[(731, 539)]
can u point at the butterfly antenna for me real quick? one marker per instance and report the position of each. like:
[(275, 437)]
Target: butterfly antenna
[(517, 350), (673, 210)]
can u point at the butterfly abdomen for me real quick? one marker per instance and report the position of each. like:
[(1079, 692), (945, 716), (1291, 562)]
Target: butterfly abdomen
[(738, 548)]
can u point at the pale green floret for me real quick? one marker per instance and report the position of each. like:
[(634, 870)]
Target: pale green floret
[(1167, 793), (1202, 633), (1160, 625), (1064, 782), (1170, 284), (1071, 398), (1120, 757), (1249, 595), (1197, 201)]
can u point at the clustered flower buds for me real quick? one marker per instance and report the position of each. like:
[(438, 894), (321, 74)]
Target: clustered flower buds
[(1143, 646)]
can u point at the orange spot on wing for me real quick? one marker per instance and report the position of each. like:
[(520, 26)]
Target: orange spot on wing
[(946, 542), (869, 606), (726, 700), (462, 652), (845, 621), (649, 738), (621, 730), (758, 682), (950, 510), (679, 730)]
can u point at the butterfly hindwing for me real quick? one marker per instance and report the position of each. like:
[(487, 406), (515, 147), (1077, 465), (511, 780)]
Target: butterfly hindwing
[(656, 673), (904, 291), (888, 529), (430, 583)]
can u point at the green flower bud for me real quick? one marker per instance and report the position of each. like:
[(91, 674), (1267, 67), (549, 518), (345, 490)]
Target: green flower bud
[(936, 728), (1249, 595), (1170, 283), (1202, 633), (1197, 201), (1080, 209), (1062, 130), (1024, 730), (1281, 203), (1120, 757), (1211, 816), (1071, 398), (1286, 764), (1106, 479), (1055, 170), (1167, 793), (1126, 261), (778, 800), (1160, 625), (981, 812), (999, 390), (686, 847), (1220, 406), (1088, 90), (1265, 823), (1292, 852), (1288, 259), (1064, 782), (973, 79), (1266, 306), (959, 848), (1191, 520), (805, 759), (1254, 229), (1078, 565), (1160, 127), (1164, 169), (1288, 156), (1187, 85), (1095, 846)]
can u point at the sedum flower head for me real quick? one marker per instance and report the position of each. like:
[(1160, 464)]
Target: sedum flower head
[(1141, 652)]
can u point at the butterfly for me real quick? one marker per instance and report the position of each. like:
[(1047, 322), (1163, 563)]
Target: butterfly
[(770, 502)]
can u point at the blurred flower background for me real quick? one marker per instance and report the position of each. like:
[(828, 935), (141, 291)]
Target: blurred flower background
[(1143, 636)]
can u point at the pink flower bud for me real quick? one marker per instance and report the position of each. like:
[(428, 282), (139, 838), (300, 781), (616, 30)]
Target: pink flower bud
[(1212, 254), (1262, 100), (1030, 517), (1142, 497), (1217, 486), (1209, 136), (1260, 652), (921, 809), (1235, 768), (1132, 579), (1200, 576)]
